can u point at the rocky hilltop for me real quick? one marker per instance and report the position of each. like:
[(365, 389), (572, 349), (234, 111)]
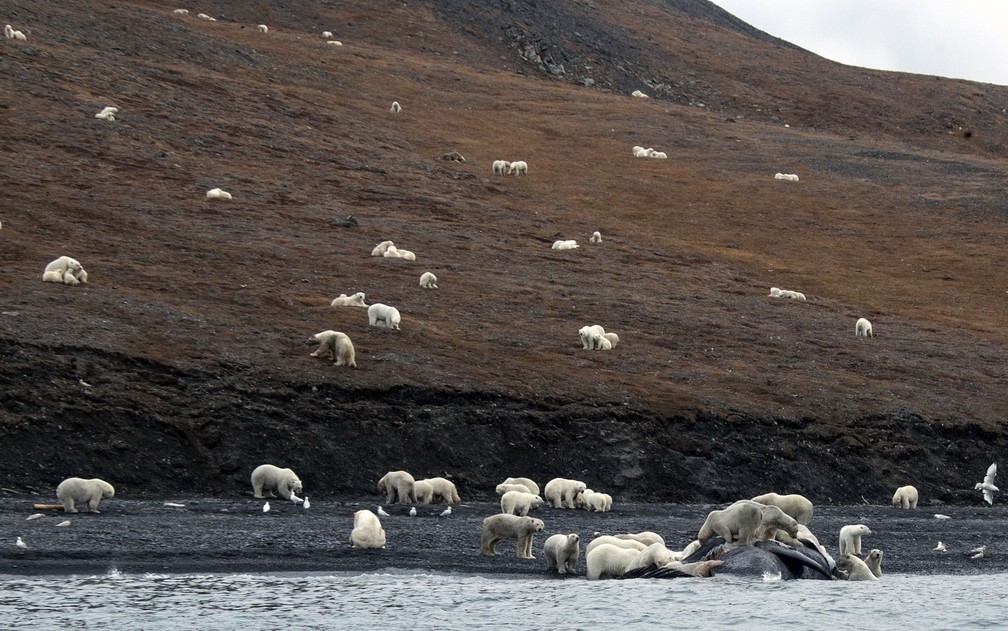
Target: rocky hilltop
[(183, 362)]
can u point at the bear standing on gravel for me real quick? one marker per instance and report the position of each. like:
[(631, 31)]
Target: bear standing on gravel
[(498, 528), (562, 552), (398, 486), (746, 521), (283, 482), (73, 491)]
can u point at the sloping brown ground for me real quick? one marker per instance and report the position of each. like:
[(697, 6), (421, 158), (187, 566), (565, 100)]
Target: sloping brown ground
[(191, 333)]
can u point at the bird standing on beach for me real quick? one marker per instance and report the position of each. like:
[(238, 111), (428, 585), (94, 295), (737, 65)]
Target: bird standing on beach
[(445, 512), (266, 507), (987, 486), (381, 512), (940, 548), (977, 553), (63, 524), (21, 544), (306, 503), (412, 511)]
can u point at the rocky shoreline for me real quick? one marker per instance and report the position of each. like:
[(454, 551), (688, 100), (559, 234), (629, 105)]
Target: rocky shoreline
[(210, 534)]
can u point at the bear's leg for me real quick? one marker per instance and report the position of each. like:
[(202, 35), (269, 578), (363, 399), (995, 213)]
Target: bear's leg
[(92, 504), (68, 506)]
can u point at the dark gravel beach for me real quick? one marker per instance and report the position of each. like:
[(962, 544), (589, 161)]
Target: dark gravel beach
[(234, 535)]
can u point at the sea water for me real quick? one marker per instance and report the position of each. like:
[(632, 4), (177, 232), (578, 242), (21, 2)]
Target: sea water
[(416, 601)]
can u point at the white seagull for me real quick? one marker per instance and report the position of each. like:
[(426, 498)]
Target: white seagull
[(381, 512), (21, 544), (266, 507), (977, 552), (940, 548), (295, 498), (63, 524), (445, 512), (987, 486), (306, 503), (34, 517), (412, 511)]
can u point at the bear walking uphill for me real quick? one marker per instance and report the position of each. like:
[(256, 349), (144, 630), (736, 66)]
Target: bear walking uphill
[(521, 530), (337, 346)]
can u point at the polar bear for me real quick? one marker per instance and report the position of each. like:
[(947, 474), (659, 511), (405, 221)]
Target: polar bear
[(588, 333), (613, 339), (905, 497), (519, 503), (428, 281), (53, 276), (367, 531), (398, 486), (381, 248), (63, 264), (560, 492), (565, 244), (500, 166), (388, 316), (424, 492), (561, 552), (850, 538), (502, 527), (528, 483), (646, 537), (609, 561), (795, 505), (70, 279), (856, 569), (862, 328), (596, 237), (504, 487), (443, 491), (874, 562), (615, 541), (354, 300), (282, 482), (655, 554), (338, 346), (73, 491), (746, 521), (601, 342)]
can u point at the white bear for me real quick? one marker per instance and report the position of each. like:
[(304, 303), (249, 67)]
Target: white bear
[(855, 568), (588, 333), (424, 492), (795, 505), (443, 491), (874, 562), (850, 538), (613, 339), (565, 244), (609, 561), (502, 527), (596, 237), (519, 167), (73, 491), (216, 193), (407, 255), (338, 346), (343, 300), (392, 252), (905, 497), (367, 531), (615, 541), (81, 276), (70, 279), (282, 482), (560, 492), (862, 328), (500, 166), (388, 316), (746, 521), (428, 281), (601, 342), (655, 554), (561, 552), (63, 264), (646, 537), (398, 485), (379, 250), (528, 483), (504, 487), (53, 276), (519, 502)]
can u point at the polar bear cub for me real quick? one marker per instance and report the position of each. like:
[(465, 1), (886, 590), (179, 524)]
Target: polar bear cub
[(596, 237), (73, 491), (354, 300), (428, 280), (386, 315), (337, 345), (216, 193), (381, 248), (281, 482), (862, 328), (367, 531), (565, 244)]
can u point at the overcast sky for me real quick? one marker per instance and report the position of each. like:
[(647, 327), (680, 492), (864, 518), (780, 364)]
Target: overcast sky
[(964, 39)]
